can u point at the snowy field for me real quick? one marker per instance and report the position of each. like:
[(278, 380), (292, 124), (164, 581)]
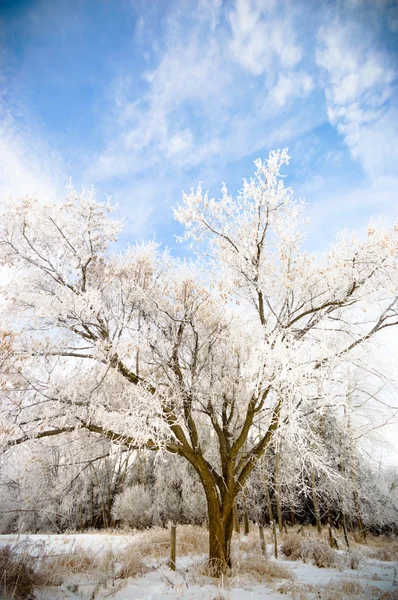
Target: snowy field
[(93, 566)]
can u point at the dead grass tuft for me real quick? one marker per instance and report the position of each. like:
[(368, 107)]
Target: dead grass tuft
[(17, 573), (381, 554), (314, 549), (339, 590), (380, 547), (297, 590), (291, 547), (261, 568), (130, 562)]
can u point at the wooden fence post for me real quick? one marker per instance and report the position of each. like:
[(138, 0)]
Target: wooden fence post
[(246, 526), (275, 542), (236, 519), (173, 544), (262, 540)]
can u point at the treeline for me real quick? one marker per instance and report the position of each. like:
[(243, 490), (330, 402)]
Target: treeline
[(79, 484)]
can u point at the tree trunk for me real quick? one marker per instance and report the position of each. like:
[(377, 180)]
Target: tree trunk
[(220, 536), (354, 485), (269, 505), (278, 489), (292, 517), (315, 502)]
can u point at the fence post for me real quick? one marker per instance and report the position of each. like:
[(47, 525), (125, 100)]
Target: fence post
[(262, 540), (173, 544), (275, 542), (246, 526), (236, 518)]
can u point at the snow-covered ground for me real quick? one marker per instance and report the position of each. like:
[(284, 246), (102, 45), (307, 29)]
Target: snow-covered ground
[(372, 579)]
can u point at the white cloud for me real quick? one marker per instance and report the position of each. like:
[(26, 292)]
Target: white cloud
[(27, 166), (290, 86), (263, 38), (210, 10), (155, 127), (197, 107), (359, 91)]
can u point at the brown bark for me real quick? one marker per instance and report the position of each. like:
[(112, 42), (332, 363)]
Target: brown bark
[(236, 519), (262, 540), (173, 546), (220, 536)]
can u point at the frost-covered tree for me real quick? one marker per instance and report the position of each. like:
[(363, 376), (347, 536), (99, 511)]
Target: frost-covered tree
[(206, 359)]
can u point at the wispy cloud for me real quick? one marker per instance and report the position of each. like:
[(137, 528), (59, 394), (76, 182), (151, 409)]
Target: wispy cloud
[(263, 37), (195, 91), (27, 165), (360, 82), (222, 75)]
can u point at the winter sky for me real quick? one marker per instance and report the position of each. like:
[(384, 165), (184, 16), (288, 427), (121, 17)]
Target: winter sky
[(146, 98)]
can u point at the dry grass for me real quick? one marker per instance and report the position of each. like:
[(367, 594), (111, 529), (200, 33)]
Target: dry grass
[(130, 561), (255, 566), (291, 547), (192, 539), (296, 590), (27, 566), (381, 554), (386, 550), (251, 542), (261, 568), (17, 574), (155, 542), (340, 590)]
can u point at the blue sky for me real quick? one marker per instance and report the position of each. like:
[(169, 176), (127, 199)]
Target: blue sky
[(145, 99)]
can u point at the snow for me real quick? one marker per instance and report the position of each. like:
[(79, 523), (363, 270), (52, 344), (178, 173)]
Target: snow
[(376, 577)]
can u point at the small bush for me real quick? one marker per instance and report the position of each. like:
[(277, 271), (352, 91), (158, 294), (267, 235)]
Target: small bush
[(291, 547), (320, 552), (306, 549), (133, 507)]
